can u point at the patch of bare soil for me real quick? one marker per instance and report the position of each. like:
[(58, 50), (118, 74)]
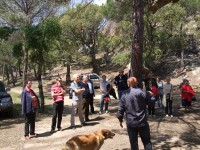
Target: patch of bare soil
[(182, 132)]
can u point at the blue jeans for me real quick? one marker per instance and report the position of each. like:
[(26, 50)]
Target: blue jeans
[(120, 94), (102, 104), (144, 133), (159, 102)]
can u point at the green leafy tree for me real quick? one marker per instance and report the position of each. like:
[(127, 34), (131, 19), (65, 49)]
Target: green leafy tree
[(40, 39), (82, 24)]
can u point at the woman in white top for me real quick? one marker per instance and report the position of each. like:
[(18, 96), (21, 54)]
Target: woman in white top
[(160, 92), (168, 97)]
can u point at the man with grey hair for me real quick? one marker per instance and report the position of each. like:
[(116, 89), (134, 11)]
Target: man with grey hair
[(77, 91), (86, 98)]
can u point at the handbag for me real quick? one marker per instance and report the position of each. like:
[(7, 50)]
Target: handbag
[(106, 99)]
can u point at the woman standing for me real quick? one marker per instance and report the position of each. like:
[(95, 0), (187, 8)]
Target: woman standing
[(29, 104), (168, 97), (153, 90), (186, 94), (160, 92)]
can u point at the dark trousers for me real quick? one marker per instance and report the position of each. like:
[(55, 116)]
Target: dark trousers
[(57, 112), (144, 133), (29, 124), (85, 108), (151, 110), (91, 102), (168, 107)]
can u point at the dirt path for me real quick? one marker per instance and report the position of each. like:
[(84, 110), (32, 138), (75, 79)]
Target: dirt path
[(181, 132)]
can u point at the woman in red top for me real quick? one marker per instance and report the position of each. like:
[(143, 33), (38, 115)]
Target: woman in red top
[(186, 94), (153, 90)]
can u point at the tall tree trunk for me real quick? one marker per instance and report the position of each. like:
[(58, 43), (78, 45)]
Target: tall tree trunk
[(68, 78), (181, 46), (25, 66), (19, 68), (95, 67), (137, 43), (7, 74), (10, 69), (4, 66), (40, 86)]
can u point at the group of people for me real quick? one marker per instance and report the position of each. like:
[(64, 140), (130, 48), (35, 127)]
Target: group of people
[(133, 102), (162, 94), (82, 97)]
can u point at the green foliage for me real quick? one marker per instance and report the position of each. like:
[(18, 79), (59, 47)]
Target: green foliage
[(81, 27), (121, 58), (118, 10), (5, 32), (18, 50)]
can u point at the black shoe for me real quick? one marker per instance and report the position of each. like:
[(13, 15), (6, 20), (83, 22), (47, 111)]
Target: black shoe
[(86, 120), (72, 127), (83, 124), (60, 129), (33, 135), (52, 131)]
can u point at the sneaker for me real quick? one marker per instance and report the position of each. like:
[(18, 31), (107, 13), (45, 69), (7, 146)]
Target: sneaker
[(60, 129), (171, 116), (153, 115), (107, 111), (100, 112), (167, 115)]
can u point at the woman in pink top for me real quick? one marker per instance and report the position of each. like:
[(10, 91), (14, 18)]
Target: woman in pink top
[(57, 93)]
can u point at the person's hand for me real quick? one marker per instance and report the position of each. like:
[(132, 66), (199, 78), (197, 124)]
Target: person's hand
[(33, 98), (121, 125)]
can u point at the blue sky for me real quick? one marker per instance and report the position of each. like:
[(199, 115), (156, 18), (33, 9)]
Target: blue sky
[(98, 2)]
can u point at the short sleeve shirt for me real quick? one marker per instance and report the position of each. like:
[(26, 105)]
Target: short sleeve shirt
[(103, 85), (76, 86)]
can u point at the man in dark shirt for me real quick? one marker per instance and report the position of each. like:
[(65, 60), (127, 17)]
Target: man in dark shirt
[(133, 103), (121, 83), (86, 98)]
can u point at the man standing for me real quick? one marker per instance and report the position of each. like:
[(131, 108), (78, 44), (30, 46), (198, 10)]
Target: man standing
[(133, 103), (86, 99), (91, 95), (77, 91), (57, 93), (29, 104), (121, 83)]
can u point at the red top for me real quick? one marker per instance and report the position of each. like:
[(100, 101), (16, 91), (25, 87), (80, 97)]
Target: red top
[(187, 92), (154, 90), (34, 102), (57, 89)]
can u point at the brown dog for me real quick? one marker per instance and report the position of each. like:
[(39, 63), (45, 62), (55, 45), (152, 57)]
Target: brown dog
[(92, 141)]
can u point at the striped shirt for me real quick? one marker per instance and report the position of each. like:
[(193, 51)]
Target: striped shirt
[(57, 89)]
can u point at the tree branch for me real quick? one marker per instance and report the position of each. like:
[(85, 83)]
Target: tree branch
[(159, 4)]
